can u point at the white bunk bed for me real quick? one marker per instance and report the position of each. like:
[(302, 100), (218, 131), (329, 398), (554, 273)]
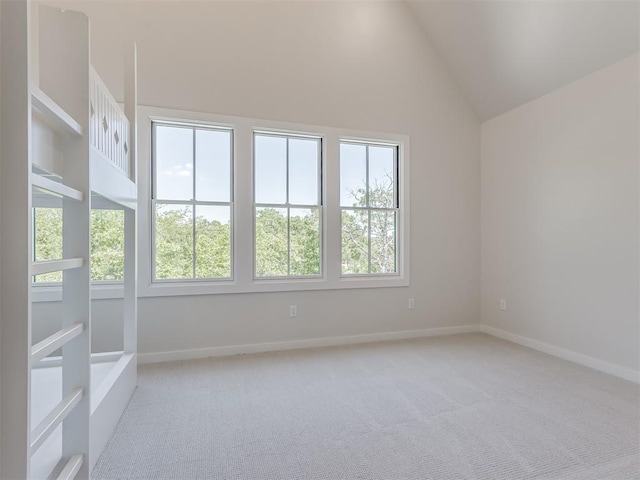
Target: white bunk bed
[(66, 143)]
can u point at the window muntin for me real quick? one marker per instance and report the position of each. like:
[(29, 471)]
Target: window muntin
[(369, 204), (192, 202), (287, 206)]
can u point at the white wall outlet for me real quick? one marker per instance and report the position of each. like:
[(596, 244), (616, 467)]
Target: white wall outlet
[(503, 304), (293, 311), (412, 304)]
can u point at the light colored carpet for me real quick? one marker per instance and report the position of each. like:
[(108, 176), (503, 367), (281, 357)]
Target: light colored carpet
[(456, 407)]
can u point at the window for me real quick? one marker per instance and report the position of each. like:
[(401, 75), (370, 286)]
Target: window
[(107, 243), (287, 205), (369, 207), (192, 202), (47, 240), (232, 204)]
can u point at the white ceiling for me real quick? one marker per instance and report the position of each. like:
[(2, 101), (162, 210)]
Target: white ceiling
[(506, 53)]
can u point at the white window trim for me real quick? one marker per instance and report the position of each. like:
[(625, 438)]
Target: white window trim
[(194, 202), (100, 289), (288, 206), (53, 293), (243, 279)]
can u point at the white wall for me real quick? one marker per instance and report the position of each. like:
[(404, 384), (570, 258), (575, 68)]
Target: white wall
[(560, 217), (360, 65)]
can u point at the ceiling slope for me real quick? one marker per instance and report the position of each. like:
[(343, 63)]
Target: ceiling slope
[(506, 53)]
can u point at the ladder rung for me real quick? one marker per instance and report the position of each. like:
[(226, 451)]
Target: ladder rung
[(71, 469), (38, 268), (54, 342), (54, 418), (54, 112), (55, 187)]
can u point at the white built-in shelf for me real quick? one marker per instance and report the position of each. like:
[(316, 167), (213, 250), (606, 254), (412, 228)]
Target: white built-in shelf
[(71, 468), (49, 266), (52, 343), (54, 418), (54, 187), (54, 113)]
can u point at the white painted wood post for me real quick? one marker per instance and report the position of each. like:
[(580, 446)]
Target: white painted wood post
[(15, 257), (131, 215), (64, 76)]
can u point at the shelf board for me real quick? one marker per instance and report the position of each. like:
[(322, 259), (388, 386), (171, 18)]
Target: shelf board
[(54, 418), (72, 468), (54, 113), (54, 187), (52, 343), (38, 268)]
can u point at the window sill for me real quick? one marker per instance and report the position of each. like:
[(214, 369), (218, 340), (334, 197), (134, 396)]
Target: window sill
[(98, 292), (166, 289)]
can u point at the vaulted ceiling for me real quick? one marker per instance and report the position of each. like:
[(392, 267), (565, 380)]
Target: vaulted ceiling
[(506, 53)]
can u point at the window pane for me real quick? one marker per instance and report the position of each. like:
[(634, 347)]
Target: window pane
[(304, 225), (174, 241), (213, 166), (270, 169), (173, 163), (381, 177), (47, 244), (107, 245), (383, 241), (355, 241), (353, 175), (213, 242), (271, 242), (303, 171)]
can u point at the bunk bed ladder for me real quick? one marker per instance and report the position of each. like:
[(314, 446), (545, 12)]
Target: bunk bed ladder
[(63, 112), (63, 58), (51, 93), (15, 255)]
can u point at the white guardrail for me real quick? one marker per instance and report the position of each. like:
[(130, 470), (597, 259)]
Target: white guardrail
[(108, 126)]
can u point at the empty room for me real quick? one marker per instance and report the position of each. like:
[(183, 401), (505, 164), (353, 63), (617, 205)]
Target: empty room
[(318, 239)]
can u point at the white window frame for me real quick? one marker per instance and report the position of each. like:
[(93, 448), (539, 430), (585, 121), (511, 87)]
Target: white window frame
[(369, 209), (100, 289), (194, 202), (243, 280), (288, 206)]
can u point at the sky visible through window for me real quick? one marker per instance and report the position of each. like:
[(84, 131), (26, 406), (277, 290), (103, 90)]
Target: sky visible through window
[(271, 170), (193, 167), (175, 169), (174, 157), (353, 173)]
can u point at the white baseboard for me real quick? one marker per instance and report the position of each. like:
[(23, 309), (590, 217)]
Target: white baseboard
[(596, 364), (197, 353), (298, 344)]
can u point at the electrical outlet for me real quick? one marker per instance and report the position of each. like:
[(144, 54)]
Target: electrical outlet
[(293, 311), (412, 304), (503, 304)]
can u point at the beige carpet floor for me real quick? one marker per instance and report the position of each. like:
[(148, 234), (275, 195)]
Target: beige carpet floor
[(456, 407)]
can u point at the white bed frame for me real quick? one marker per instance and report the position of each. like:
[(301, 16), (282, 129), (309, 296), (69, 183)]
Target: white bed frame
[(58, 117)]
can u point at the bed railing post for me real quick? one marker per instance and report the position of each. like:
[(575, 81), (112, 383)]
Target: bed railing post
[(64, 76), (131, 106), (131, 215), (15, 259)]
